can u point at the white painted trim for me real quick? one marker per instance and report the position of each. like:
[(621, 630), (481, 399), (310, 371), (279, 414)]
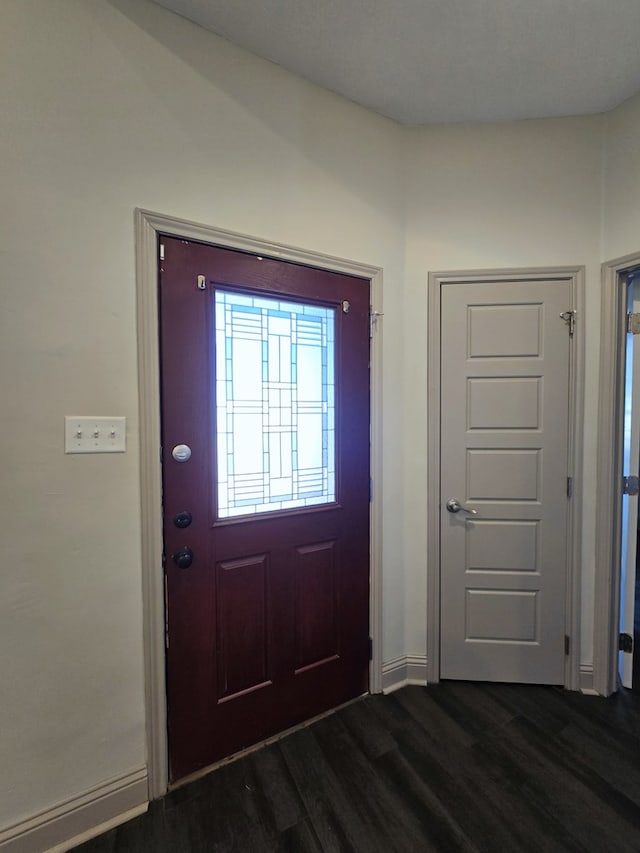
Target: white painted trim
[(586, 680), (148, 226), (151, 505), (436, 281), (609, 473), (403, 670), (433, 480), (575, 451), (375, 508), (79, 818)]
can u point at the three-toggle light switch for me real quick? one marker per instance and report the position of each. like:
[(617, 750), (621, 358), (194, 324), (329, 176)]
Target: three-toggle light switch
[(84, 434)]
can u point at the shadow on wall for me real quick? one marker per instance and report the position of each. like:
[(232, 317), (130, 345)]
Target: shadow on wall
[(347, 142)]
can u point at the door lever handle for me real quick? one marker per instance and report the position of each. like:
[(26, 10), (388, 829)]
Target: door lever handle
[(454, 505)]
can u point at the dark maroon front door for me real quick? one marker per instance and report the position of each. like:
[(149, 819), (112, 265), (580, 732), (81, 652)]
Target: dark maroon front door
[(265, 381)]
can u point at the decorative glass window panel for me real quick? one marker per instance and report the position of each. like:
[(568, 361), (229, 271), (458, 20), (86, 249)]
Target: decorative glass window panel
[(275, 404)]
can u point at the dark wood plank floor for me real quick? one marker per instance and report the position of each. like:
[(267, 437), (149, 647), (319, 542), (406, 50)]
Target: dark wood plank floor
[(452, 767), (636, 626), (635, 675)]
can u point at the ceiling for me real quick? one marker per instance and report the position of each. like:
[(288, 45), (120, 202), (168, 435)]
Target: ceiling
[(432, 61)]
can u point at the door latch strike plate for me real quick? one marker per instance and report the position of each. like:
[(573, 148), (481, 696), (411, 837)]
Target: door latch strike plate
[(374, 316)]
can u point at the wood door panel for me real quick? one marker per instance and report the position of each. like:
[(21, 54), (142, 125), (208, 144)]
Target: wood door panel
[(269, 625), (505, 331), (316, 604), (504, 402), (509, 475), (502, 545), (505, 615), (242, 621)]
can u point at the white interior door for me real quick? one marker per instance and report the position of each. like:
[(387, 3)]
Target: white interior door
[(631, 465), (504, 459)]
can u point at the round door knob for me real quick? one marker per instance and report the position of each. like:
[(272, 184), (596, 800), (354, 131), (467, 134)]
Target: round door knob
[(182, 519), (183, 558)]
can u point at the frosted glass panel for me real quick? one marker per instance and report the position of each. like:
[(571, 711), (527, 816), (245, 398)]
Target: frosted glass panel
[(275, 392)]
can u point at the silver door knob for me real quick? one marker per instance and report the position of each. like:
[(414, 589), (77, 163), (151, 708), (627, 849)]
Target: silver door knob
[(454, 505)]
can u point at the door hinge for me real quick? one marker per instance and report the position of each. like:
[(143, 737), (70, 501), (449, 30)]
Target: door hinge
[(633, 324), (626, 643), (569, 487), (631, 485), (570, 319), (370, 648), (370, 490), (374, 316), (162, 251), (567, 644)]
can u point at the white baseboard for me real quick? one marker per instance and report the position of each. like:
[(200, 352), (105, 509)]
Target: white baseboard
[(412, 669), (406, 669), (586, 679), (76, 820)]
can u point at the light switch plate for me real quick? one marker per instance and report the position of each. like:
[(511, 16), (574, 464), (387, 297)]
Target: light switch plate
[(84, 434)]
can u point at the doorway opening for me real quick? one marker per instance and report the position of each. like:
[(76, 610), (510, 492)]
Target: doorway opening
[(616, 513), (500, 341), (149, 226), (628, 659)]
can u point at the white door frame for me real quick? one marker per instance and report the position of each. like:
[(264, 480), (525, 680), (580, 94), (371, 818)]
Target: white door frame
[(609, 477), (148, 226), (438, 280)]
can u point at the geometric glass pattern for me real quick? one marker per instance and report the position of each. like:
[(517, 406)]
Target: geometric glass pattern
[(275, 404)]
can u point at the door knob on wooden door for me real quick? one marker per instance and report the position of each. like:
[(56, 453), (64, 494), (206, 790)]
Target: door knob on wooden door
[(182, 519), (454, 505), (183, 558)]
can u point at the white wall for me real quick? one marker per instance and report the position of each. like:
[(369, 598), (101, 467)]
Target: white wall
[(482, 197), (621, 208), (108, 106)]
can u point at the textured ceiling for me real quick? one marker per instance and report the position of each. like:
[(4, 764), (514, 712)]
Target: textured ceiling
[(427, 61)]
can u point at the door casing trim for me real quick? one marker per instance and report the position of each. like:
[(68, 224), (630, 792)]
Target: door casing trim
[(148, 225), (436, 281), (609, 473)]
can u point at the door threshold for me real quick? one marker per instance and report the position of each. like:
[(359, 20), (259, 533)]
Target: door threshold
[(204, 771)]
